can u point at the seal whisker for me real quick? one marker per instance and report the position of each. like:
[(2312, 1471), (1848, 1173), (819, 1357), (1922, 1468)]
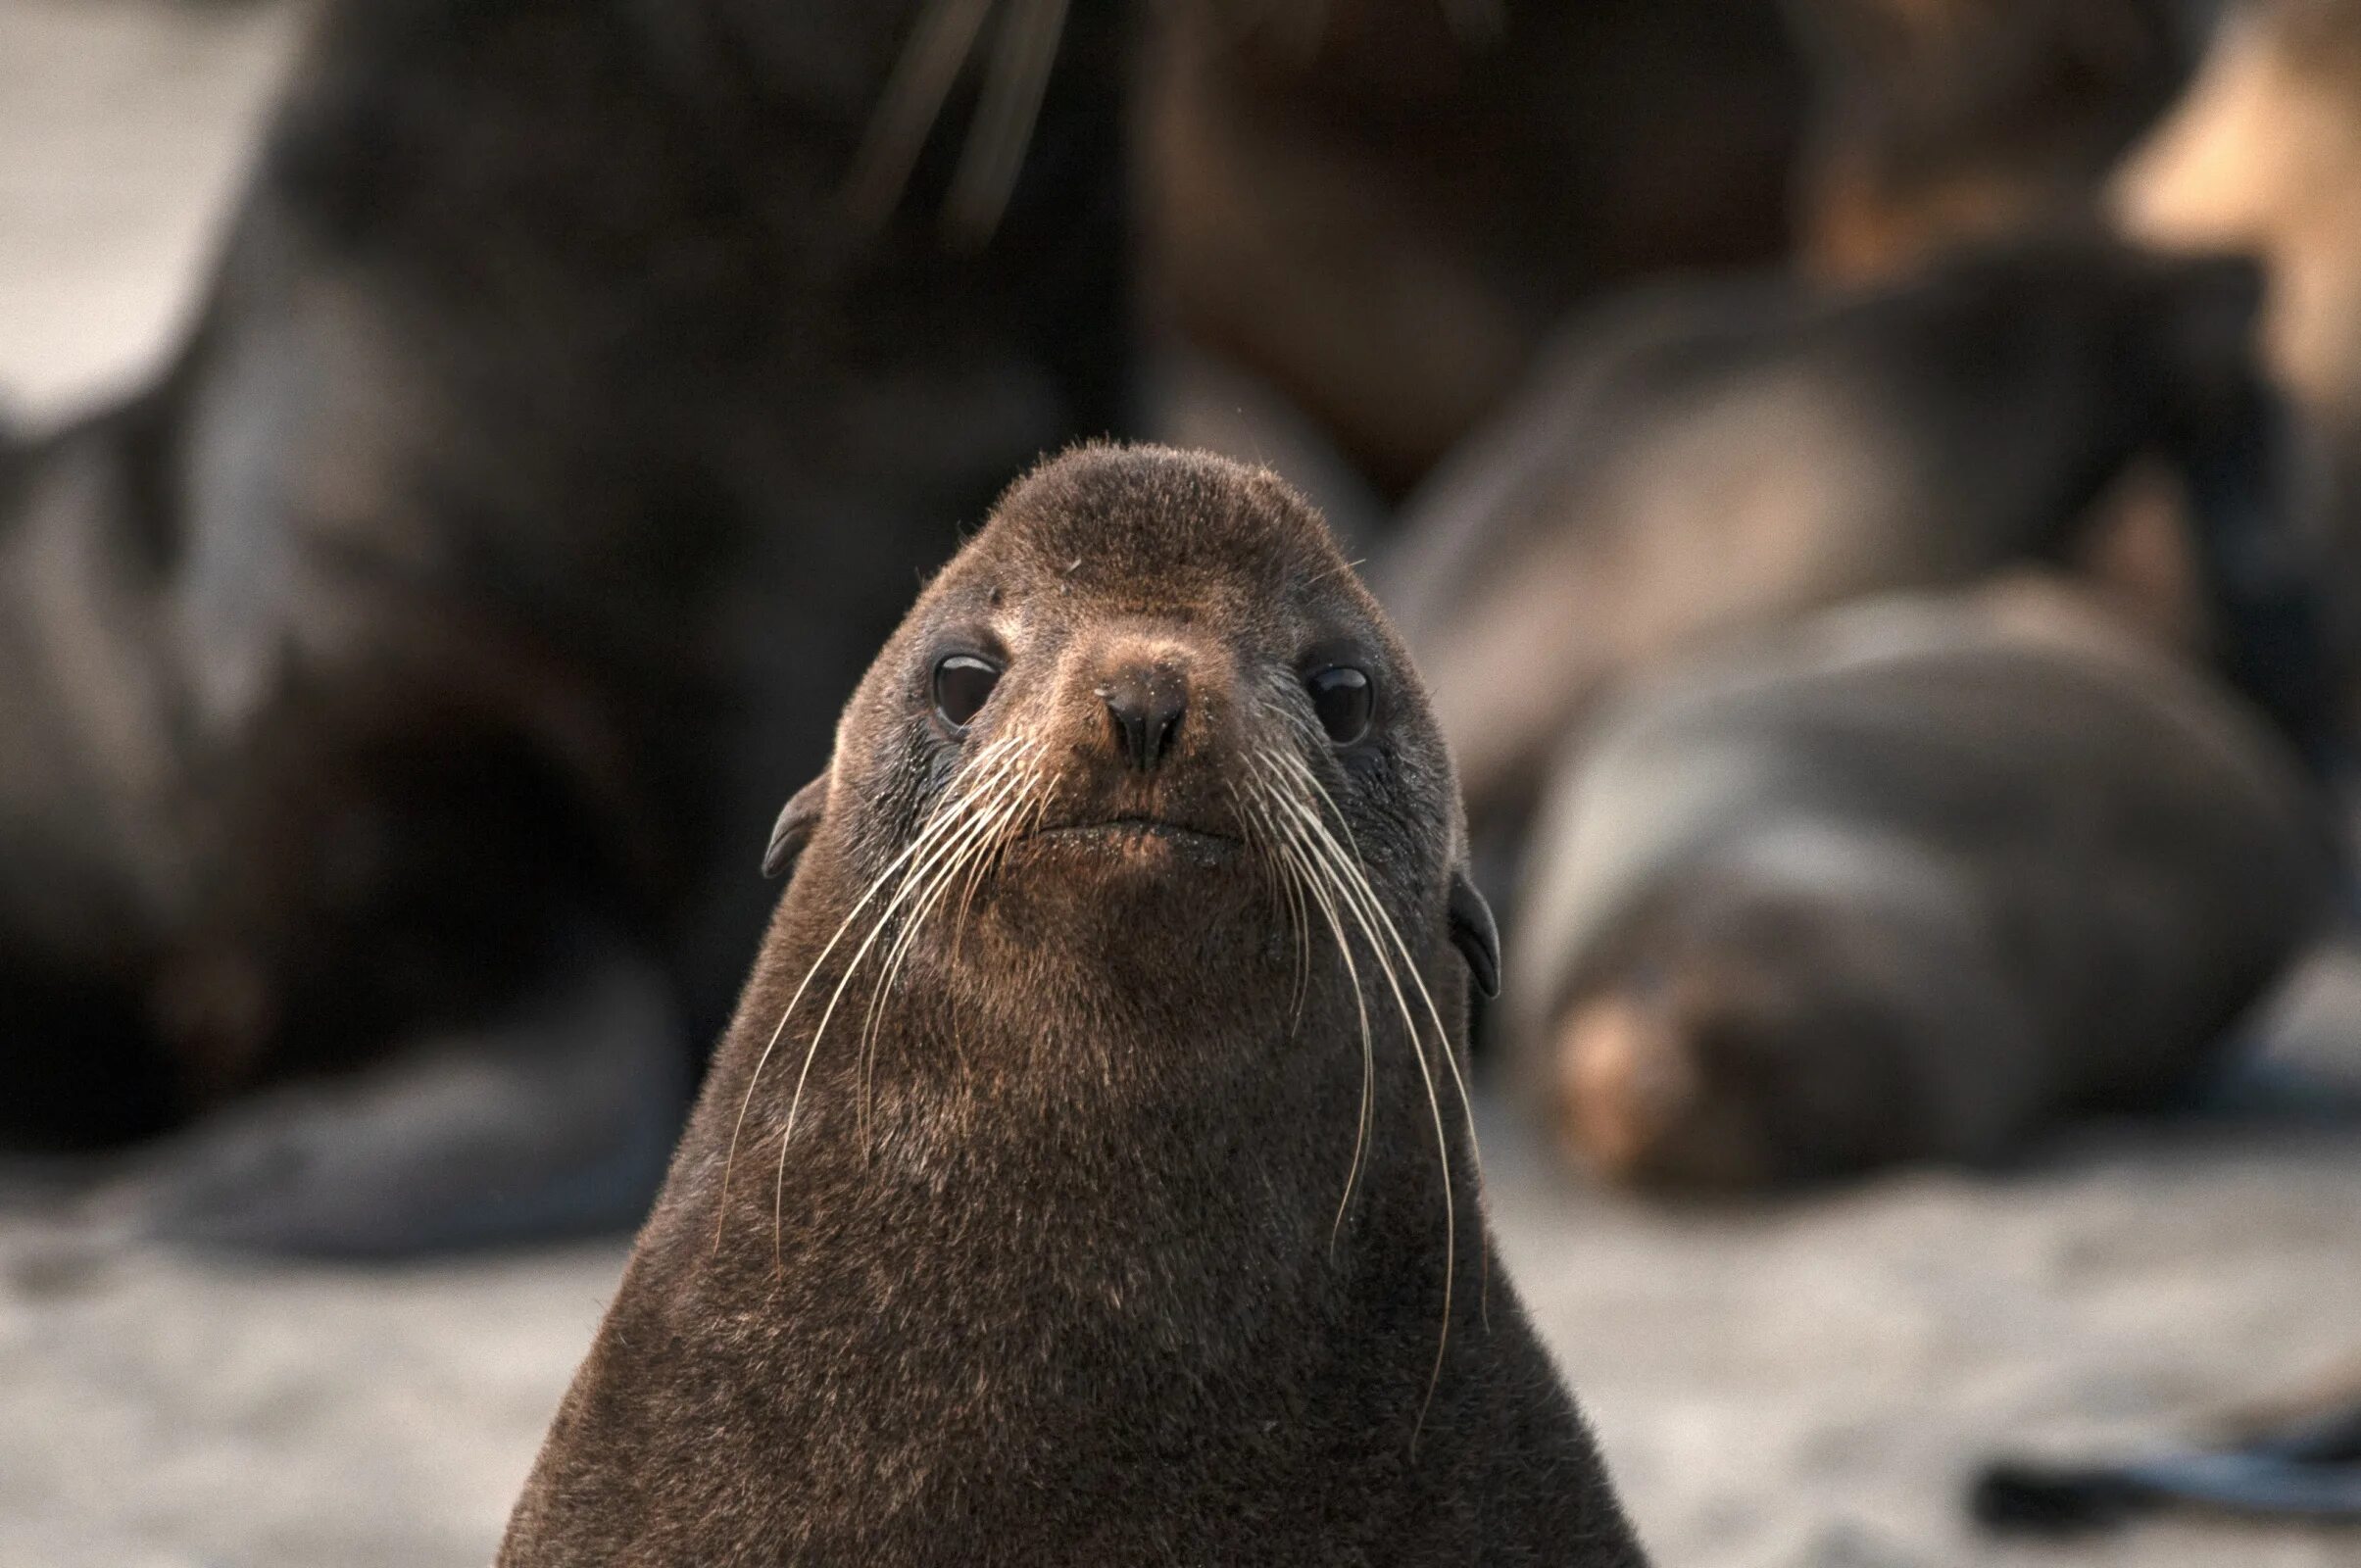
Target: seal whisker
[(1283, 883), (1451, 1057), (1360, 1133), (1023, 57), (913, 102), (928, 881), (988, 834), (1301, 856), (944, 820), (1351, 887), (997, 777), (1409, 960), (940, 821)]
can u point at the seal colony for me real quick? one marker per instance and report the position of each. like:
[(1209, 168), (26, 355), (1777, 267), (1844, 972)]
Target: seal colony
[(1086, 1176)]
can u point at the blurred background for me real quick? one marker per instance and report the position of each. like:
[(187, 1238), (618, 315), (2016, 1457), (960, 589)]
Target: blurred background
[(454, 457)]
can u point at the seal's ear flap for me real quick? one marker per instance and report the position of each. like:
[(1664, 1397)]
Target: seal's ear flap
[(1473, 932), (795, 827)]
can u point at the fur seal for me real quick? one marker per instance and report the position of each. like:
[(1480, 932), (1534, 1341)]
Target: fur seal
[(1938, 122), (2263, 155), (1007, 1228), (555, 444), (1380, 207), (1711, 457), (1904, 882)]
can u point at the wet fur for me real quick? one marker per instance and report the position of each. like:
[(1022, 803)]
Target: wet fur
[(1052, 1268)]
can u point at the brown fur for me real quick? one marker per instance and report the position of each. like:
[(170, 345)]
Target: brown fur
[(2264, 155), (1712, 458), (1940, 122), (1906, 883), (1051, 1271), (1380, 206)]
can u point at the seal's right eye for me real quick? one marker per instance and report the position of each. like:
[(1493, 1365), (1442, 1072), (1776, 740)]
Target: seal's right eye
[(962, 682)]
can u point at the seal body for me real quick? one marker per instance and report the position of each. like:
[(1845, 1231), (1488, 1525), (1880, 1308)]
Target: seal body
[(554, 445), (1905, 881), (1710, 458), (1048, 1202), (1379, 206), (1939, 124), (2262, 155)]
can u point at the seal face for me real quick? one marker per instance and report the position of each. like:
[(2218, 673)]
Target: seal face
[(1055, 1197)]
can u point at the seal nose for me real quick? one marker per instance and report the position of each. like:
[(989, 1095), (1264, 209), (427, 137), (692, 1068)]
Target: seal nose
[(1146, 704)]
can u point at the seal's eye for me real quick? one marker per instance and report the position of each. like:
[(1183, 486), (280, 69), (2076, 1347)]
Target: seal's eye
[(961, 683), (1343, 697)]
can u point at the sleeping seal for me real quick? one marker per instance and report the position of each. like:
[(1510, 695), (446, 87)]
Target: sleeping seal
[(1905, 881)]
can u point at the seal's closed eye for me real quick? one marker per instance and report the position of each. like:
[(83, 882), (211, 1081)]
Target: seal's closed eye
[(795, 827)]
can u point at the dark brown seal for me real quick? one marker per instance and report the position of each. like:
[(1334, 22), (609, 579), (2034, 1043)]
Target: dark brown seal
[(1380, 207), (1942, 122), (1706, 458), (1905, 882), (1051, 1201), (2263, 155), (557, 443)]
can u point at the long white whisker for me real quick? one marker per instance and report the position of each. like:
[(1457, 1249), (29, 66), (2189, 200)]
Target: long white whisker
[(1023, 57), (985, 835), (911, 104), (998, 775), (942, 821), (1350, 885), (1451, 1057)]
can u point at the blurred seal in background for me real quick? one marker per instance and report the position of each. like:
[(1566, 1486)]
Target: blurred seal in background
[(1938, 122), (1711, 457), (394, 684), (1380, 207), (1905, 881), (2263, 154), (1047, 1246)]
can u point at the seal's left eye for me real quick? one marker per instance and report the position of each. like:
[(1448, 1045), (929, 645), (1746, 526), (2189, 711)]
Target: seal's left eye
[(961, 683), (1342, 698)]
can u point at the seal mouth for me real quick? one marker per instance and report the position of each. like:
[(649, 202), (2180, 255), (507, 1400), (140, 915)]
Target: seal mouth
[(1132, 829)]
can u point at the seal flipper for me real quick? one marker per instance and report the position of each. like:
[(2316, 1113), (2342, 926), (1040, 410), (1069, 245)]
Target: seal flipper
[(554, 1121), (797, 823), (2308, 1471), (1474, 932)]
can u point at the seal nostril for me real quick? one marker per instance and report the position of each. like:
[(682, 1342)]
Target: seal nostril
[(1147, 712)]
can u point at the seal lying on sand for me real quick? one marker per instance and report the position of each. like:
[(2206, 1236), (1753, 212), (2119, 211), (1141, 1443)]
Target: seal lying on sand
[(1712, 458), (1086, 1178), (1905, 881), (556, 441)]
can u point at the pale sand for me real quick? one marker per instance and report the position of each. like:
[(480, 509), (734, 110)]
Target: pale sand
[(1800, 1386)]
